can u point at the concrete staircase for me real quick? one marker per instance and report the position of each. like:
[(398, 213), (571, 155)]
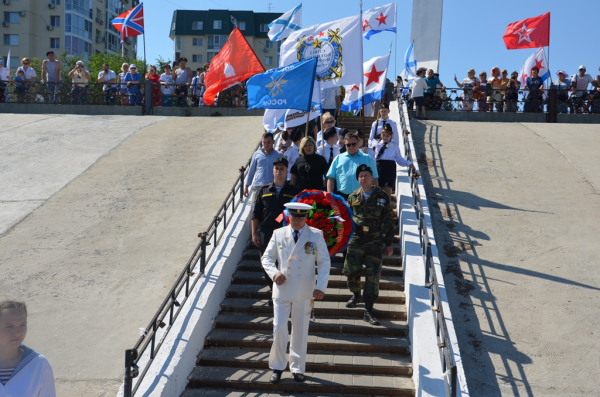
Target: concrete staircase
[(346, 355), (354, 122)]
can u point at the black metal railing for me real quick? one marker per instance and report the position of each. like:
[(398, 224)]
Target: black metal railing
[(119, 94), (555, 99), (150, 338), (431, 282)]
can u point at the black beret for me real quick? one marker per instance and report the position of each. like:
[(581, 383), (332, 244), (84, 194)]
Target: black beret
[(329, 133), (184, 59), (343, 132), (363, 167), (384, 106), (281, 160)]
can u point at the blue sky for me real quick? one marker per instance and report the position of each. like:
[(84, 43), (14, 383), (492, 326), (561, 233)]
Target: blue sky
[(471, 30)]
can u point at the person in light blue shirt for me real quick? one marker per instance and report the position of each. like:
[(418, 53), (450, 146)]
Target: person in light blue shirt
[(260, 172), (341, 177), (134, 82)]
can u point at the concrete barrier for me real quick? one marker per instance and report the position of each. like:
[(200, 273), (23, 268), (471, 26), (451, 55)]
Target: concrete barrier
[(205, 112), (511, 117), (89, 110), (427, 366)]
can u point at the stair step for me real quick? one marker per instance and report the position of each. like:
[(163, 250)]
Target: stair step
[(317, 383), (322, 309), (385, 364), (335, 281), (254, 393), (258, 291), (326, 342), (336, 268), (264, 323), (395, 259)]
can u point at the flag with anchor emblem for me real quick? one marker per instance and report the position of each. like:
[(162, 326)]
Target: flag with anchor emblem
[(337, 46), (288, 87)]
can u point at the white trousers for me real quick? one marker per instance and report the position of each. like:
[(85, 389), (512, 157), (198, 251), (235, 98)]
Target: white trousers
[(300, 311)]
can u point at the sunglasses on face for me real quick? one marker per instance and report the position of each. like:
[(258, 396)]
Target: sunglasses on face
[(25, 63), (351, 144), (329, 122)]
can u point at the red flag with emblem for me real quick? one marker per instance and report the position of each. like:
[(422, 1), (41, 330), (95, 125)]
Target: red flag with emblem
[(528, 33), (233, 64)]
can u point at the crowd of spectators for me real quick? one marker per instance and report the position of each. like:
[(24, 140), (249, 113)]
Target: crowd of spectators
[(577, 93), (178, 85)]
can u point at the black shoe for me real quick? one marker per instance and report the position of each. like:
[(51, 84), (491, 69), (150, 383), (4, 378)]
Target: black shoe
[(355, 300), (298, 377), (368, 317), (276, 376)]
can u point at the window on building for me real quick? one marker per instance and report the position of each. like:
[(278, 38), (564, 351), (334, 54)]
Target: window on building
[(56, 2), (242, 25), (264, 27), (11, 39), (217, 24), (78, 46), (177, 43), (54, 20), (268, 44), (82, 7), (78, 25), (54, 42), (216, 42), (197, 58), (197, 41), (197, 25), (268, 60), (11, 17)]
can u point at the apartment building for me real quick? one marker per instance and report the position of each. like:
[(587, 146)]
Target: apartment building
[(200, 35), (81, 27)]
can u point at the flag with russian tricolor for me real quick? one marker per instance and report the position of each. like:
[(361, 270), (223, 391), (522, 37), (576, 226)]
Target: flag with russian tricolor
[(375, 71), (379, 19), (130, 23), (538, 59)]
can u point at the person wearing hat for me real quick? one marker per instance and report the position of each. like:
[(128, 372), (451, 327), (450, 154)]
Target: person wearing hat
[(4, 78), (260, 172), (341, 177), (183, 79), (377, 126), (293, 152), (268, 205), (330, 149), (51, 75), (133, 79), (297, 248), (372, 212), (562, 87), (579, 85), (80, 78)]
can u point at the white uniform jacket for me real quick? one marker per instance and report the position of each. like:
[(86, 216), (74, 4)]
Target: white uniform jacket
[(297, 262)]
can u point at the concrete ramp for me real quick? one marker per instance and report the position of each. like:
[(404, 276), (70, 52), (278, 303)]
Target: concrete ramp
[(120, 201), (517, 209)]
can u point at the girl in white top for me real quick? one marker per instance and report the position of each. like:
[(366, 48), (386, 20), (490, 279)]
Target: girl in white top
[(123, 86), (387, 155), (167, 86), (23, 372), (418, 88), (382, 119)]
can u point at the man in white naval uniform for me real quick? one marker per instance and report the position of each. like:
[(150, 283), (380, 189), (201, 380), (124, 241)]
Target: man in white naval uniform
[(297, 247)]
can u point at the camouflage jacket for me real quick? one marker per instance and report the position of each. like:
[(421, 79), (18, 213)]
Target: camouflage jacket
[(373, 217)]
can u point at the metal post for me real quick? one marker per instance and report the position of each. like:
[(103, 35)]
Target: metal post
[(202, 252), (128, 380), (148, 96), (552, 113)]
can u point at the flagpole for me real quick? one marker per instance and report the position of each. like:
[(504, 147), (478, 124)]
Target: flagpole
[(362, 82)]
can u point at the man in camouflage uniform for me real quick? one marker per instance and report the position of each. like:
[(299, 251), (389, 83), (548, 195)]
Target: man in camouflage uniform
[(372, 210)]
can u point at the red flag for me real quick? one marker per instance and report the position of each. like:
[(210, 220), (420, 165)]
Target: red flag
[(528, 33), (234, 63), (130, 23)]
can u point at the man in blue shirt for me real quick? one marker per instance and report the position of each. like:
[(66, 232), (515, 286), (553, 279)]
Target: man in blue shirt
[(341, 177), (261, 166)]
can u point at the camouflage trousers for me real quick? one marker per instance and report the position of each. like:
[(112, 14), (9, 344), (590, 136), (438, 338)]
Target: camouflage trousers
[(370, 255)]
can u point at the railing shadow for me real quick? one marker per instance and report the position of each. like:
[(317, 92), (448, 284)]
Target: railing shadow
[(477, 345)]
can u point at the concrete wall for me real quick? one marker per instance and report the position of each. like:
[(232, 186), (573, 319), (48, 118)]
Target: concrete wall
[(168, 374), (511, 117), (427, 366), (205, 111)]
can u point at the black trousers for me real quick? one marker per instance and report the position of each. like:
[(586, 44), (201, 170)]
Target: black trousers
[(265, 236)]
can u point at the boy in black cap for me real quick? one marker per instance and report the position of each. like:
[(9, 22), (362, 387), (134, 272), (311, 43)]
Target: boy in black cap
[(268, 205), (372, 213), (329, 150)]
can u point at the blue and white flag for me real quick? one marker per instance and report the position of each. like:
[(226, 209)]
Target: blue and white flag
[(375, 71), (379, 19), (274, 118), (538, 59), (410, 62), (337, 45), (283, 26), (289, 87), (295, 117)]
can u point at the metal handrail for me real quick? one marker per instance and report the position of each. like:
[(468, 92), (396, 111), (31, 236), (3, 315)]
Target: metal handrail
[(170, 305), (431, 282)]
